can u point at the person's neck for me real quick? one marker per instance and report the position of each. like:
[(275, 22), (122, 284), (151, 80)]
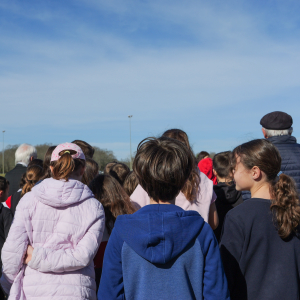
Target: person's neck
[(162, 202), (261, 190), (223, 179)]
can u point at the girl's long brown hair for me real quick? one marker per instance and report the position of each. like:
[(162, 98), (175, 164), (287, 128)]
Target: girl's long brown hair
[(191, 186), (112, 196), (33, 175), (285, 199)]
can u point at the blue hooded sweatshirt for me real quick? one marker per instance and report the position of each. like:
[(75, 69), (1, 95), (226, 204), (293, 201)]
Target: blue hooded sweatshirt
[(162, 252)]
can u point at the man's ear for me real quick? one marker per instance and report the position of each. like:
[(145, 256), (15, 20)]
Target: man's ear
[(1, 193), (264, 133), (31, 158), (256, 173)]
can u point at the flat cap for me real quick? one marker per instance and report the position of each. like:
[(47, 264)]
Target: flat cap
[(277, 120)]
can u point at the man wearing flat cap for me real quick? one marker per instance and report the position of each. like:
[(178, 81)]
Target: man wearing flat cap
[(277, 128)]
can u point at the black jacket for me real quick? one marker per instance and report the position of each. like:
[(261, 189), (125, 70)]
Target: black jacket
[(290, 155), (259, 265), (15, 199), (14, 177), (227, 198), (6, 218)]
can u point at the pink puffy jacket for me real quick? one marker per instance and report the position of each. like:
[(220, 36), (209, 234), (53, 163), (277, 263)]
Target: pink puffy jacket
[(64, 224)]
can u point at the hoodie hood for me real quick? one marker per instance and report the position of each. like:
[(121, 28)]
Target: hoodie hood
[(227, 192), (159, 232), (61, 193)]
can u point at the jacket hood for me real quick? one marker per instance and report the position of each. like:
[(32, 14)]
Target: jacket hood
[(226, 192), (283, 139), (159, 232), (61, 193)]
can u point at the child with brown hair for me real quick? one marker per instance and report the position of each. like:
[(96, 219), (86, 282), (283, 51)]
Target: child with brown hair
[(227, 195), (196, 194), (115, 202), (260, 245), (162, 251)]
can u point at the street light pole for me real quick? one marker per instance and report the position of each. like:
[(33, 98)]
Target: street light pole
[(3, 153), (130, 116)]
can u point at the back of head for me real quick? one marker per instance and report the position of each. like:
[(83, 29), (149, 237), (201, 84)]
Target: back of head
[(46, 163), (119, 171), (192, 184), (3, 183), (90, 172), (201, 155), (285, 200), (33, 175), (112, 196), (277, 123), (222, 165), (178, 135), (87, 149), (36, 162), (130, 183), (108, 166), (67, 160), (162, 167), (24, 153)]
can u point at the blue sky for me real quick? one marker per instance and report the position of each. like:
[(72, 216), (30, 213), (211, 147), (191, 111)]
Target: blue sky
[(76, 69)]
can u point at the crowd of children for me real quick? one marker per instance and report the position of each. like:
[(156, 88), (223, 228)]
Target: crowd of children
[(164, 230)]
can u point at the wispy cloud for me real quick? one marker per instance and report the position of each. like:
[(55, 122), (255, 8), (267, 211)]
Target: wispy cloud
[(202, 66)]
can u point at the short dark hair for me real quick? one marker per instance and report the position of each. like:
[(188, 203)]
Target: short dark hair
[(86, 148), (222, 164), (162, 167), (3, 183), (201, 155)]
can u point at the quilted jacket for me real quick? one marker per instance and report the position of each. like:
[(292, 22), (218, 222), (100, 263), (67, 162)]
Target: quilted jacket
[(290, 155), (64, 224)]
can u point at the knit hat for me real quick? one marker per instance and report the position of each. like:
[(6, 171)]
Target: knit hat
[(67, 146)]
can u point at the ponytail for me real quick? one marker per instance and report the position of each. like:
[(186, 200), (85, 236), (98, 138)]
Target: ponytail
[(285, 205), (33, 175), (63, 167)]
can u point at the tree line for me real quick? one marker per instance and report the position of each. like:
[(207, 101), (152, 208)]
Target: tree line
[(101, 156)]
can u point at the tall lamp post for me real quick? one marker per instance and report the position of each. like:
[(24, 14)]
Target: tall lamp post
[(130, 116), (3, 153)]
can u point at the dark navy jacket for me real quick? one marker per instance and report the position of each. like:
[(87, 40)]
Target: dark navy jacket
[(290, 155), (259, 265), (162, 252)]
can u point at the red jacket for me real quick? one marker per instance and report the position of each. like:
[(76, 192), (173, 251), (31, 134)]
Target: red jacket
[(206, 166)]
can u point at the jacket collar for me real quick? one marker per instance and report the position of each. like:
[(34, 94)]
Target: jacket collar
[(283, 139)]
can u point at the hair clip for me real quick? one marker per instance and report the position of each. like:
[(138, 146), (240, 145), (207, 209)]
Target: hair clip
[(279, 173), (67, 152)]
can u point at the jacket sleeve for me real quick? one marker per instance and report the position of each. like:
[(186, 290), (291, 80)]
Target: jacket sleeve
[(13, 250), (111, 284), (7, 220), (231, 247), (59, 261), (214, 281)]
